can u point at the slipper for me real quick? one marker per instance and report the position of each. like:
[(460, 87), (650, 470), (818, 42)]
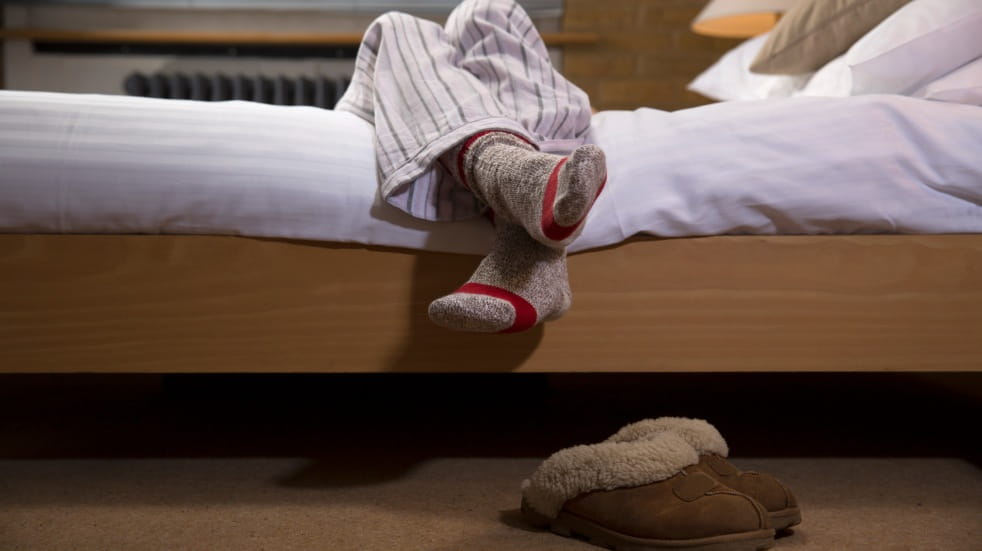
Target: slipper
[(642, 495), (777, 499)]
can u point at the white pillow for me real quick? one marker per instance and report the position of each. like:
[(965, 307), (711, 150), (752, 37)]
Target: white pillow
[(963, 85), (915, 45), (730, 77), (833, 79)]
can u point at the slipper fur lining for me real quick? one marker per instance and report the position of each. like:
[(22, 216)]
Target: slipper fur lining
[(697, 432), (605, 466)]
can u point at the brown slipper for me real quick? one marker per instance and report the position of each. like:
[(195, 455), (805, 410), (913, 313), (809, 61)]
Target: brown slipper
[(643, 495), (776, 498)]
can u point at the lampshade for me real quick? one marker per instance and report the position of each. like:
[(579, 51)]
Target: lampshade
[(739, 18)]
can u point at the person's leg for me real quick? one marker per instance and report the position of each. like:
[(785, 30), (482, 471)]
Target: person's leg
[(408, 82), (524, 280), (427, 90), (498, 42), (549, 195), (430, 92)]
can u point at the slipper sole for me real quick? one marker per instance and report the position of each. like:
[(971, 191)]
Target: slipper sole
[(570, 525), (785, 518), (573, 526)]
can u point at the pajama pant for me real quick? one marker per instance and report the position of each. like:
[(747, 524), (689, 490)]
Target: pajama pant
[(427, 88)]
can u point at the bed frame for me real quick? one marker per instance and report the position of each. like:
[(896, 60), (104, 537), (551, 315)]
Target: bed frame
[(140, 303)]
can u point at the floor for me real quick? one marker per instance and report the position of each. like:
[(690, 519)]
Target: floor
[(433, 462)]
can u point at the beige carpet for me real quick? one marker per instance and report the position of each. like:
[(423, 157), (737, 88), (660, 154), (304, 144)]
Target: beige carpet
[(879, 462), (438, 505)]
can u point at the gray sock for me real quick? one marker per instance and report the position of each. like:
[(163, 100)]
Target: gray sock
[(519, 284), (548, 195)]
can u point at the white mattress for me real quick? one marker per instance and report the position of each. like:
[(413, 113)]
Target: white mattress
[(115, 164)]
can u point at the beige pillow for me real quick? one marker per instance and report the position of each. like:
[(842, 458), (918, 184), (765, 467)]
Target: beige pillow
[(814, 32)]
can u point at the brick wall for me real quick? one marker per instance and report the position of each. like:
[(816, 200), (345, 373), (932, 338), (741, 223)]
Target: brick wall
[(1, 49), (646, 54)]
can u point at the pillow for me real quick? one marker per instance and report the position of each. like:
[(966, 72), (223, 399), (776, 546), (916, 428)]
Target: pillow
[(813, 32), (963, 85), (916, 45), (834, 79), (730, 77)]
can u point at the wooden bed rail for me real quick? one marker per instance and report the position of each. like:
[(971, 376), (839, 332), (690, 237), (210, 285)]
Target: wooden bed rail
[(193, 304), (115, 36)]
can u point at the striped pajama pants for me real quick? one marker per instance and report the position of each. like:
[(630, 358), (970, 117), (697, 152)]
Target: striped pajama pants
[(426, 88)]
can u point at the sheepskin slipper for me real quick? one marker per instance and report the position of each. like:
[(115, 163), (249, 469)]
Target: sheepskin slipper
[(642, 495), (777, 499)]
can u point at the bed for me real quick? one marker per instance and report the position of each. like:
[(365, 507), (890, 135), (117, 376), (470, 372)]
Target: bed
[(793, 233), (128, 303)]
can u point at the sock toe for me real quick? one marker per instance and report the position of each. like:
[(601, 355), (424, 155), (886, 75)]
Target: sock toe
[(472, 312), (583, 178)]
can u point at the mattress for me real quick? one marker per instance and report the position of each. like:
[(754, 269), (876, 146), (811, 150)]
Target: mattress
[(114, 164)]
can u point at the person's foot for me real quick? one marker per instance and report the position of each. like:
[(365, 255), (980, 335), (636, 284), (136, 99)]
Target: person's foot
[(549, 195), (519, 284)]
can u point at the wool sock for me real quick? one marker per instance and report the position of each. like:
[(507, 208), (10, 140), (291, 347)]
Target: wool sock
[(549, 195), (518, 285)]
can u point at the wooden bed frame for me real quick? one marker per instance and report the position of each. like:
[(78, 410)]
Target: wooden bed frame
[(139, 303)]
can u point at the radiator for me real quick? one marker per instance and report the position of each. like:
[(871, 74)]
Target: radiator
[(317, 91), (283, 73)]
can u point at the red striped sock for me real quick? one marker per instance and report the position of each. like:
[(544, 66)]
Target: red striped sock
[(520, 284), (549, 195)]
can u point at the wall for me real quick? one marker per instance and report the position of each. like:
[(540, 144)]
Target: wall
[(104, 73), (645, 57), (2, 43), (646, 54)]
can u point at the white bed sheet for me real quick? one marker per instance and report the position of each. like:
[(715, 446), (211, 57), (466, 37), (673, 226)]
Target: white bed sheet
[(114, 164)]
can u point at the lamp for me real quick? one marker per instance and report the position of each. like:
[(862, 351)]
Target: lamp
[(739, 18)]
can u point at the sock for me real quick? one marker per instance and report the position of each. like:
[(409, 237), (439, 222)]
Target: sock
[(549, 195), (519, 284)]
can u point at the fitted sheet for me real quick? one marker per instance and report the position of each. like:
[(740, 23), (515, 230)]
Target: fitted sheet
[(113, 164)]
